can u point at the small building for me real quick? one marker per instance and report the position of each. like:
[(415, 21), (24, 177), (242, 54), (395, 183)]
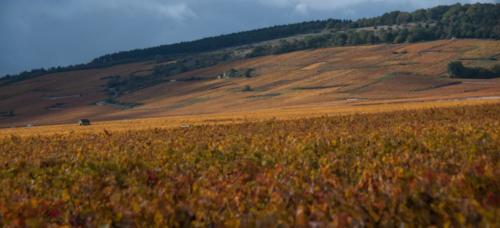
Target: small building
[(232, 73), (84, 122)]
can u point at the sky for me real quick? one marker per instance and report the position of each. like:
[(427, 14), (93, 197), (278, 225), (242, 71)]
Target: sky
[(46, 33)]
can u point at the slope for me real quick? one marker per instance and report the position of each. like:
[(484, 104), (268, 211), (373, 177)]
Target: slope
[(330, 77)]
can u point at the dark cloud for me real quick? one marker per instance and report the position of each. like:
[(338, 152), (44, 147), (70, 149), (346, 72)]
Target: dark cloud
[(44, 33)]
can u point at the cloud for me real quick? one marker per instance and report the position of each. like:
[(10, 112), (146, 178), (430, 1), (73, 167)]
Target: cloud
[(178, 11), (164, 9), (302, 8)]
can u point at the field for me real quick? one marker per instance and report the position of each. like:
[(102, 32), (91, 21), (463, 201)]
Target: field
[(374, 135), (418, 167), (339, 78)]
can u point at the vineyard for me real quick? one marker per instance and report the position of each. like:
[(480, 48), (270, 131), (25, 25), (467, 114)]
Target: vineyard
[(437, 166)]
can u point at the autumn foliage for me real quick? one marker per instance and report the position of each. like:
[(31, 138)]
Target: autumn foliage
[(429, 167)]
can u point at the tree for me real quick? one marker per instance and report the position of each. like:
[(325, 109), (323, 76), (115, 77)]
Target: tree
[(259, 51), (247, 88), (340, 39), (353, 38), (284, 46), (402, 36), (403, 18), (317, 41), (456, 69), (421, 15), (371, 38)]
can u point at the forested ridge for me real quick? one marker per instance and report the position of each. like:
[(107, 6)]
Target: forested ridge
[(442, 22)]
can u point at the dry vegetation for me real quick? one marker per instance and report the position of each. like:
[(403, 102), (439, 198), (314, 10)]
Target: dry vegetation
[(431, 166)]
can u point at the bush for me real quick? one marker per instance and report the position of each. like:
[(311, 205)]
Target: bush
[(456, 68), (247, 88)]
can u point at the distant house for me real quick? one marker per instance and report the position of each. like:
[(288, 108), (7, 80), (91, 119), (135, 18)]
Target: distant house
[(84, 122), (233, 73)]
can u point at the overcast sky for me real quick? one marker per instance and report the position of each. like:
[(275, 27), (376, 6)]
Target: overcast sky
[(45, 33)]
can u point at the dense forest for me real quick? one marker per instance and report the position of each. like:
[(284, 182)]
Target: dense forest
[(441, 22)]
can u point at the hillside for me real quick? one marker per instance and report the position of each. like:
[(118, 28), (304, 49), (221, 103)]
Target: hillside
[(336, 78), (392, 121), (479, 20)]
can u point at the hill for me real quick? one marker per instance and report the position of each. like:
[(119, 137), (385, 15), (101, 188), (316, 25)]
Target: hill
[(335, 78), (440, 22), (398, 57)]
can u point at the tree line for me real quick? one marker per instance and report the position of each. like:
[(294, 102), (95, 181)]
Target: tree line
[(408, 34), (460, 21), (440, 22)]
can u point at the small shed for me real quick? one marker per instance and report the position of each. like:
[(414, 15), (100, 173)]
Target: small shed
[(84, 122)]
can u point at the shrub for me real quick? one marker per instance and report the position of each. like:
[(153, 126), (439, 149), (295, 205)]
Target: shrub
[(247, 88)]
